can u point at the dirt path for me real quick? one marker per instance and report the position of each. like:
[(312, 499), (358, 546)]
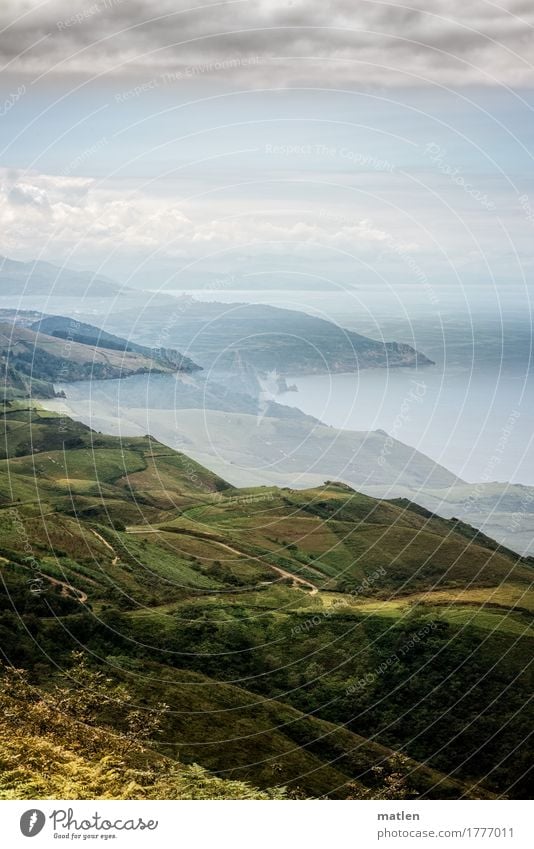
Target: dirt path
[(106, 543), (295, 578), (303, 582), (67, 589)]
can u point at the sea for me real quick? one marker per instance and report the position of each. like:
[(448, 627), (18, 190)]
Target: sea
[(472, 411)]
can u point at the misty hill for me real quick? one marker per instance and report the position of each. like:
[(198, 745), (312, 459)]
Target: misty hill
[(44, 279), (87, 334), (34, 356), (248, 443), (268, 338), (230, 337)]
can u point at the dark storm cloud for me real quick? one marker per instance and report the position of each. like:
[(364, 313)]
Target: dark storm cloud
[(448, 42)]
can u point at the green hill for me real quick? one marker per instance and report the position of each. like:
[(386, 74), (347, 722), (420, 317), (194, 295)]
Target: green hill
[(16, 384), (59, 743), (317, 640), (31, 361), (87, 334)]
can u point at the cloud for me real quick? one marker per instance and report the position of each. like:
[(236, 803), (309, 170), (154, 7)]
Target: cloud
[(39, 210), (338, 43), (67, 219), (27, 195)]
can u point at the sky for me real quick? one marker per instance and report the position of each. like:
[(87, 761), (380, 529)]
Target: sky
[(331, 143)]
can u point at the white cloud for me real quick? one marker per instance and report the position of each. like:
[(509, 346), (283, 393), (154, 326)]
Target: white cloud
[(39, 209), (103, 224), (340, 42)]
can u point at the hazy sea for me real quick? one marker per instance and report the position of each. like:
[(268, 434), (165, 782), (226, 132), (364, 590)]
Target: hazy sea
[(472, 411)]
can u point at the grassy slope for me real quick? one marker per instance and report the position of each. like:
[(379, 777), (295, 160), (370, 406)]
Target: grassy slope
[(46, 753), (205, 596), (50, 358)]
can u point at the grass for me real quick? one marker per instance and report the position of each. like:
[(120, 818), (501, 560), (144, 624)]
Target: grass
[(241, 736), (171, 597)]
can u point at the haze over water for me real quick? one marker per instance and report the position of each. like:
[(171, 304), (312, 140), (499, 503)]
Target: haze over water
[(471, 411)]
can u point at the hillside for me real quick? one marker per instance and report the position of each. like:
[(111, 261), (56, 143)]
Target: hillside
[(248, 443), (35, 357), (38, 278), (87, 334), (294, 635), (16, 384), (44, 755), (503, 511), (234, 337)]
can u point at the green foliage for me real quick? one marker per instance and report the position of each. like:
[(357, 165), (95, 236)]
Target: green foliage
[(261, 618), (393, 782), (57, 744)]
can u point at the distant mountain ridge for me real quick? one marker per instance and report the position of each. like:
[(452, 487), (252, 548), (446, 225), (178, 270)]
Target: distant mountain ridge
[(230, 337), (42, 278), (212, 333)]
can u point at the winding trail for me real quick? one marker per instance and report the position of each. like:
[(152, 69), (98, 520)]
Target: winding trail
[(282, 572), (303, 582), (106, 543), (67, 589)]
